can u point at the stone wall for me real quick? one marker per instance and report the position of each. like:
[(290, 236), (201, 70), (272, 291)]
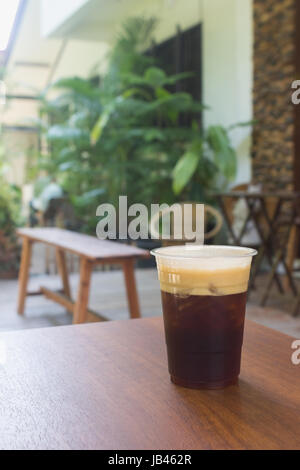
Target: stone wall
[(273, 149)]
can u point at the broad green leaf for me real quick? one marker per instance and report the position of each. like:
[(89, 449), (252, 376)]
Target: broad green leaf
[(173, 79), (155, 76), (67, 166), (77, 85), (184, 171), (67, 153), (153, 134), (197, 145), (134, 80), (136, 91), (242, 124), (79, 119), (161, 92), (89, 197), (224, 155), (99, 126)]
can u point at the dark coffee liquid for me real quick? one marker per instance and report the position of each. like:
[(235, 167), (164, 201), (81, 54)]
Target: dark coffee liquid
[(204, 336)]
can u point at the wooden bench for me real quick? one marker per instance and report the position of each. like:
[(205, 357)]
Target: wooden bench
[(91, 252)]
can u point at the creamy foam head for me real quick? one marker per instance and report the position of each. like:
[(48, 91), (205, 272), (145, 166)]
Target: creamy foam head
[(203, 270)]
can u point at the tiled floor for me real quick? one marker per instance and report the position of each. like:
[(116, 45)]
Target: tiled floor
[(108, 296)]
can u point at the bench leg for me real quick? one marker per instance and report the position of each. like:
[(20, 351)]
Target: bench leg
[(81, 306), (132, 297), (63, 271), (24, 274)]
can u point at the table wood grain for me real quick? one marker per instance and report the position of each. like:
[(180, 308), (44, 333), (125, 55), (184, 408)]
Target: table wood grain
[(106, 386)]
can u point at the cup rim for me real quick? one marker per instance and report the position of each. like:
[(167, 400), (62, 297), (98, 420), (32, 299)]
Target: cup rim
[(245, 252)]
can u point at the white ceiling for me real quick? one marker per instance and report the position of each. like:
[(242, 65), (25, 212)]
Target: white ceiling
[(36, 61), (99, 20), (79, 43), (30, 47)]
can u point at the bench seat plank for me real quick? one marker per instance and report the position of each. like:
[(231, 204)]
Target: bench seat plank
[(81, 244)]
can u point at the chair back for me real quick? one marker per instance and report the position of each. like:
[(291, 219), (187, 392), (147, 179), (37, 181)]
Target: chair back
[(229, 202), (213, 222)]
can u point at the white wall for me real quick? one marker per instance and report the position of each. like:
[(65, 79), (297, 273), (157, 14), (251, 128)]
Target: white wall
[(227, 30), (170, 14), (88, 54), (227, 60), (227, 50), (55, 12)]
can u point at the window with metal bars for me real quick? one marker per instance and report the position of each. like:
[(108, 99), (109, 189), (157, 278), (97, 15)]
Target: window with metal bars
[(183, 53)]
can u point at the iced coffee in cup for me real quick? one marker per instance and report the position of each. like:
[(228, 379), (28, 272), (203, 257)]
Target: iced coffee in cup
[(203, 290)]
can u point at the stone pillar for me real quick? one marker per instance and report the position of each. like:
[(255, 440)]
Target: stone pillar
[(274, 149)]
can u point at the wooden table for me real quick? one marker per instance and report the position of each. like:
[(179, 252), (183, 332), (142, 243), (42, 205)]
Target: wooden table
[(106, 386), (91, 252)]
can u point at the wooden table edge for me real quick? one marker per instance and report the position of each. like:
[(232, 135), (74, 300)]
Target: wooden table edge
[(155, 320), (211, 429)]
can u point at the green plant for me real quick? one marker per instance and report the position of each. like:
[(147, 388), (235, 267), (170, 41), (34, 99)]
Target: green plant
[(75, 163), (10, 208), (123, 135)]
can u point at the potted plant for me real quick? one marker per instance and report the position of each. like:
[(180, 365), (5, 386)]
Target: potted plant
[(122, 134), (9, 248)]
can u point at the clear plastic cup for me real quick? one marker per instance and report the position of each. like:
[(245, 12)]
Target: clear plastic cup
[(204, 290)]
